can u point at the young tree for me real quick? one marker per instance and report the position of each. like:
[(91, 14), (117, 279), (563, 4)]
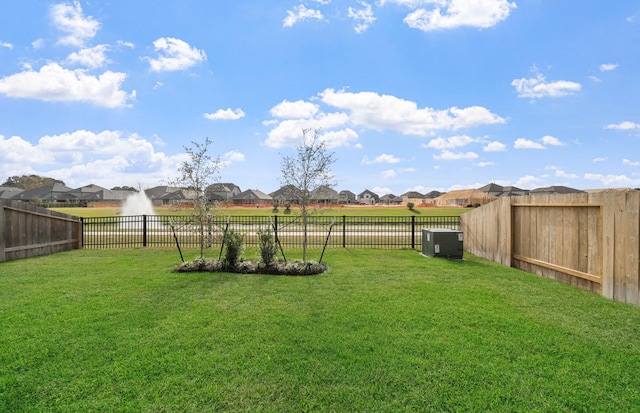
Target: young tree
[(307, 170), (197, 172)]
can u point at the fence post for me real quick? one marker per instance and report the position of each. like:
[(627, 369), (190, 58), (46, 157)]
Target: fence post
[(413, 231), (275, 224), (144, 230), (81, 233), (2, 241), (344, 231)]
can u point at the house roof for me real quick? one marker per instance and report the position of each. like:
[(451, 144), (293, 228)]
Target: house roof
[(557, 189), (8, 192), (286, 192), (346, 192), (433, 194), (467, 194), (492, 188), (325, 192), (412, 194), (253, 194), (158, 191), (48, 192), (366, 191)]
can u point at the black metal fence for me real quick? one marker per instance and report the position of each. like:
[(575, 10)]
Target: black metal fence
[(342, 231)]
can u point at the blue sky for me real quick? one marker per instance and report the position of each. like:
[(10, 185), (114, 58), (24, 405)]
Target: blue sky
[(410, 94)]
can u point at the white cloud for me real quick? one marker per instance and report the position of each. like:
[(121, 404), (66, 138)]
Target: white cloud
[(455, 156), (294, 110), (522, 143), (55, 83), (300, 13), (551, 140), (384, 158), (612, 180), (386, 112), (126, 44), (369, 111), (225, 114), (595, 160), (595, 79), (483, 164), (538, 87), (106, 158), (528, 181), (449, 143), (70, 19), (6, 45), (93, 57), (174, 55), (388, 174), (626, 125), (559, 173), (630, 163), (451, 14), (608, 66), (363, 18), (338, 138), (230, 157), (495, 146), (381, 190)]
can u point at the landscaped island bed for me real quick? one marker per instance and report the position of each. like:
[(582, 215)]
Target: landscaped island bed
[(381, 330)]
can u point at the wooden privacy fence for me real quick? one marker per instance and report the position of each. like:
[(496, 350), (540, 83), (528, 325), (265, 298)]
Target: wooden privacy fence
[(589, 240), (28, 231)]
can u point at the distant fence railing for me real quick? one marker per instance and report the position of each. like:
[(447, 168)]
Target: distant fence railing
[(343, 231), (28, 231)]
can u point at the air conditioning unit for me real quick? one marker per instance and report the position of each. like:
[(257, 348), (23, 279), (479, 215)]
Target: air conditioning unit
[(438, 242)]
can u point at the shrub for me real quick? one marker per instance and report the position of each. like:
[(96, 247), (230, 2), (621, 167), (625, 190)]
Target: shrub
[(287, 208), (410, 205), (268, 249), (234, 247)]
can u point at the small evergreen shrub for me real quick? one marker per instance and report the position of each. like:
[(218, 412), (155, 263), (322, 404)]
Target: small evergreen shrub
[(411, 205), (268, 249), (234, 247)]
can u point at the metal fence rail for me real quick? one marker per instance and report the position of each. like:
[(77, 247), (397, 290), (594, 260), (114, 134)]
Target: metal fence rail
[(341, 232)]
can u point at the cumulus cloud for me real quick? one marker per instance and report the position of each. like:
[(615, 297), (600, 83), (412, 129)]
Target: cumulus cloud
[(611, 180), (107, 158), (551, 140), (595, 160), (174, 54), (384, 158), (300, 13), (626, 125), (367, 111), (70, 19), (55, 83), (363, 18), (92, 57), (447, 155), (230, 157), (225, 114), (630, 163), (383, 112), (428, 15), (608, 66), (483, 164), (559, 173), (294, 110), (495, 146), (6, 45), (451, 142), (522, 143), (538, 87)]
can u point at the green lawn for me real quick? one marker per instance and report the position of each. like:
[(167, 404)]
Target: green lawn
[(252, 211), (382, 330)]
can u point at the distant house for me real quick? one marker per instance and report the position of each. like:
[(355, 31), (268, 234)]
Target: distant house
[(464, 198), (346, 197), (252, 197), (412, 196), (287, 194), (324, 195), (368, 197), (430, 197), (498, 190), (158, 194), (222, 191), (390, 199), (53, 193), (94, 193)]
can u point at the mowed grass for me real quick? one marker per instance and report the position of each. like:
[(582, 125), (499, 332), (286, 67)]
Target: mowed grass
[(382, 330), (267, 210)]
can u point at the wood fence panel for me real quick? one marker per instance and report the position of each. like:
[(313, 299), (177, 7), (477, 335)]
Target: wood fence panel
[(28, 231), (590, 241)]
